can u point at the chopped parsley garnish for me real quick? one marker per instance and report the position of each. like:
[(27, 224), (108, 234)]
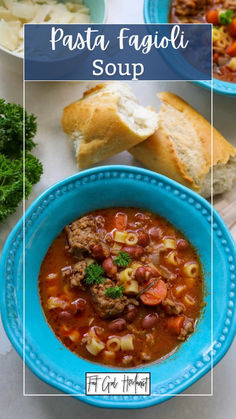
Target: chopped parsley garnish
[(122, 260), (114, 292), (94, 274), (225, 18)]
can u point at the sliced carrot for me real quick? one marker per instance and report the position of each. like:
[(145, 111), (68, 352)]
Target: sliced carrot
[(156, 294), (215, 56), (121, 221), (232, 27), (212, 16), (232, 50), (175, 324)]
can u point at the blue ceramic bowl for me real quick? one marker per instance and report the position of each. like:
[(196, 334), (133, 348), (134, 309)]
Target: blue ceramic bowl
[(107, 187), (157, 11)]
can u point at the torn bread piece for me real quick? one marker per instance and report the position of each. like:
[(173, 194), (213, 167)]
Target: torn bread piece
[(181, 149), (106, 121)]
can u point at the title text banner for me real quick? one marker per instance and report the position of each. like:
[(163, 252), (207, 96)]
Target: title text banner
[(117, 52)]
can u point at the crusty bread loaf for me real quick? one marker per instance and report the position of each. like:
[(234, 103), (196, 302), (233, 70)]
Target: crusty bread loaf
[(106, 121), (181, 149)]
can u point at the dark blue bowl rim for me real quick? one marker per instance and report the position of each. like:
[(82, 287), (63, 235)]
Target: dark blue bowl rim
[(99, 400)]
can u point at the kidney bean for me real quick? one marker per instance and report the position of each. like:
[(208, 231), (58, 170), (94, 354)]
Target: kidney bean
[(131, 312), (152, 272), (140, 274), (135, 252), (155, 233), (109, 267), (65, 315), (149, 321), (78, 305), (182, 244), (143, 238), (100, 252), (117, 325)]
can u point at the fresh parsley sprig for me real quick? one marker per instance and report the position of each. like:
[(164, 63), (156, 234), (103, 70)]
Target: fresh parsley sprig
[(225, 18), (94, 274), (122, 260), (114, 292)]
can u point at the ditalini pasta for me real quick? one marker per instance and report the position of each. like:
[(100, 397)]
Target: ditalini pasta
[(13, 15), (122, 287)]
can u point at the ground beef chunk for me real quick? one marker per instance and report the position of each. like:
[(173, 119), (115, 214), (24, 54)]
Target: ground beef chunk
[(187, 328), (171, 307), (75, 274), (190, 7), (107, 307), (82, 236)]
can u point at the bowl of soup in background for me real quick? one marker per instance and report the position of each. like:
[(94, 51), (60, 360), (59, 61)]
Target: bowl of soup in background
[(157, 11), (98, 12), (104, 187)]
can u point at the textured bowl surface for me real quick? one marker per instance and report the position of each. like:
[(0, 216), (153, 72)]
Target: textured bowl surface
[(108, 187), (157, 11)]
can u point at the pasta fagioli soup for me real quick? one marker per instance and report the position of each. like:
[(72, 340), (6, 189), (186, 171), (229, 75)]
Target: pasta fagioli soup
[(222, 15), (121, 287)]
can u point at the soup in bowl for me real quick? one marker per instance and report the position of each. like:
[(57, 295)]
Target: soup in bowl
[(180, 215), (121, 286), (222, 15)]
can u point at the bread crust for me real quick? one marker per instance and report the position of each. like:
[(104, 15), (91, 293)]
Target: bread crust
[(104, 132), (158, 151), (222, 149)]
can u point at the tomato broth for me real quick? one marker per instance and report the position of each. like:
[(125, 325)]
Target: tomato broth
[(121, 287)]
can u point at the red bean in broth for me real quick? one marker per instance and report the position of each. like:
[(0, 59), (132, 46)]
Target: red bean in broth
[(182, 244), (143, 238), (131, 313), (135, 252), (109, 267), (78, 305), (65, 315), (117, 325), (149, 321), (140, 274), (155, 233), (152, 272), (98, 252)]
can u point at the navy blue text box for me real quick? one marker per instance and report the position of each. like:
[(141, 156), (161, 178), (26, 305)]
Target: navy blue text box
[(118, 52)]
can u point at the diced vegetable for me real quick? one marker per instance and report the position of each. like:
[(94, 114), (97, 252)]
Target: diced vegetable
[(156, 294), (232, 50), (232, 28), (121, 221), (212, 16), (175, 324)]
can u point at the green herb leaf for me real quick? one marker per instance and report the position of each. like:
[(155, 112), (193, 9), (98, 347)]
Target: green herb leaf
[(114, 292), (94, 274), (11, 181), (13, 118), (225, 18), (122, 260)]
